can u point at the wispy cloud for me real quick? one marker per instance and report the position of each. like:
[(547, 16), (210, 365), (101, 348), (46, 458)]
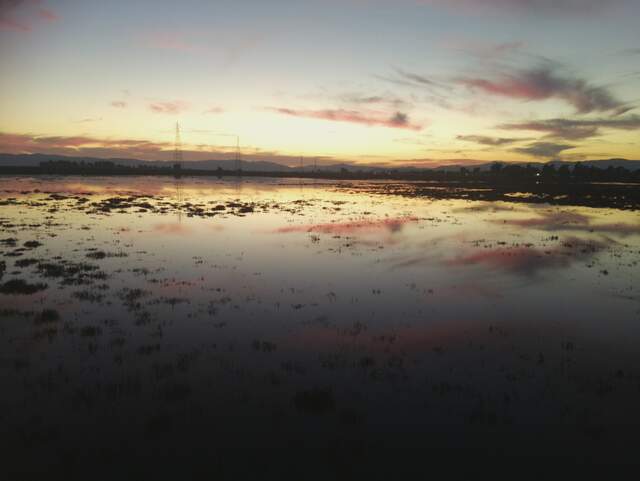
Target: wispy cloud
[(169, 107), (575, 129), (229, 45), (87, 120), (482, 49), (119, 104), (79, 144), (564, 8), (542, 83), (214, 110), (418, 78), (48, 15), (630, 51), (23, 15), (170, 41), (397, 120), (484, 140), (363, 99), (543, 149)]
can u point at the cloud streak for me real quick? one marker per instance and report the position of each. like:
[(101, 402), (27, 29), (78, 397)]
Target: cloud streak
[(575, 129), (484, 140), (564, 8), (543, 149), (169, 41), (214, 110), (398, 120), (21, 15), (170, 107), (543, 83)]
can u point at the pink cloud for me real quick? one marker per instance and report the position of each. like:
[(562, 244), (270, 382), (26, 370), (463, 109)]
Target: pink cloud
[(10, 24), (48, 15), (398, 120), (19, 16), (214, 110), (171, 107), (543, 83)]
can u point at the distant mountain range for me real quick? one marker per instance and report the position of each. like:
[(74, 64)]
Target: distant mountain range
[(27, 160), (263, 166)]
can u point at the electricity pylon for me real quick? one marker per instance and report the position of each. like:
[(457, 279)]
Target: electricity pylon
[(177, 150)]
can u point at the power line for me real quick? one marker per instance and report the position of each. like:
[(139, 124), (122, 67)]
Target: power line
[(177, 150)]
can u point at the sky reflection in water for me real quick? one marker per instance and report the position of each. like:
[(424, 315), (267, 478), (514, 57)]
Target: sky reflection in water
[(269, 288)]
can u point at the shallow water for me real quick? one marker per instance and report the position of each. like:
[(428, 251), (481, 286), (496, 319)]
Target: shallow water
[(328, 318)]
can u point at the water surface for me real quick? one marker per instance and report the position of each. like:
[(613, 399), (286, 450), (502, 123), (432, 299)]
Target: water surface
[(186, 320)]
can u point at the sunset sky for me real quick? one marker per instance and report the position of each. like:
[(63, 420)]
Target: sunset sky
[(396, 82)]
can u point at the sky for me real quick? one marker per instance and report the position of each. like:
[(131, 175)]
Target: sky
[(384, 82)]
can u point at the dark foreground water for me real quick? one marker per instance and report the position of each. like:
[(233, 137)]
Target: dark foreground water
[(153, 328)]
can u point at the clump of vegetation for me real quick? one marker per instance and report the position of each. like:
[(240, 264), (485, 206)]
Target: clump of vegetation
[(25, 262), (32, 244), (71, 273), (19, 286), (14, 313), (89, 296), (47, 316)]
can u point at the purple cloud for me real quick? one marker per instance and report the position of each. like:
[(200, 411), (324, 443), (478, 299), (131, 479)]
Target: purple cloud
[(20, 15), (544, 83), (397, 120)]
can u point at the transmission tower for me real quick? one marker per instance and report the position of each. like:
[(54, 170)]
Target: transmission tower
[(177, 151), (238, 158)]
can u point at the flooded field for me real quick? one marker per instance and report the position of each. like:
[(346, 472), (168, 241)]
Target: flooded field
[(243, 328)]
